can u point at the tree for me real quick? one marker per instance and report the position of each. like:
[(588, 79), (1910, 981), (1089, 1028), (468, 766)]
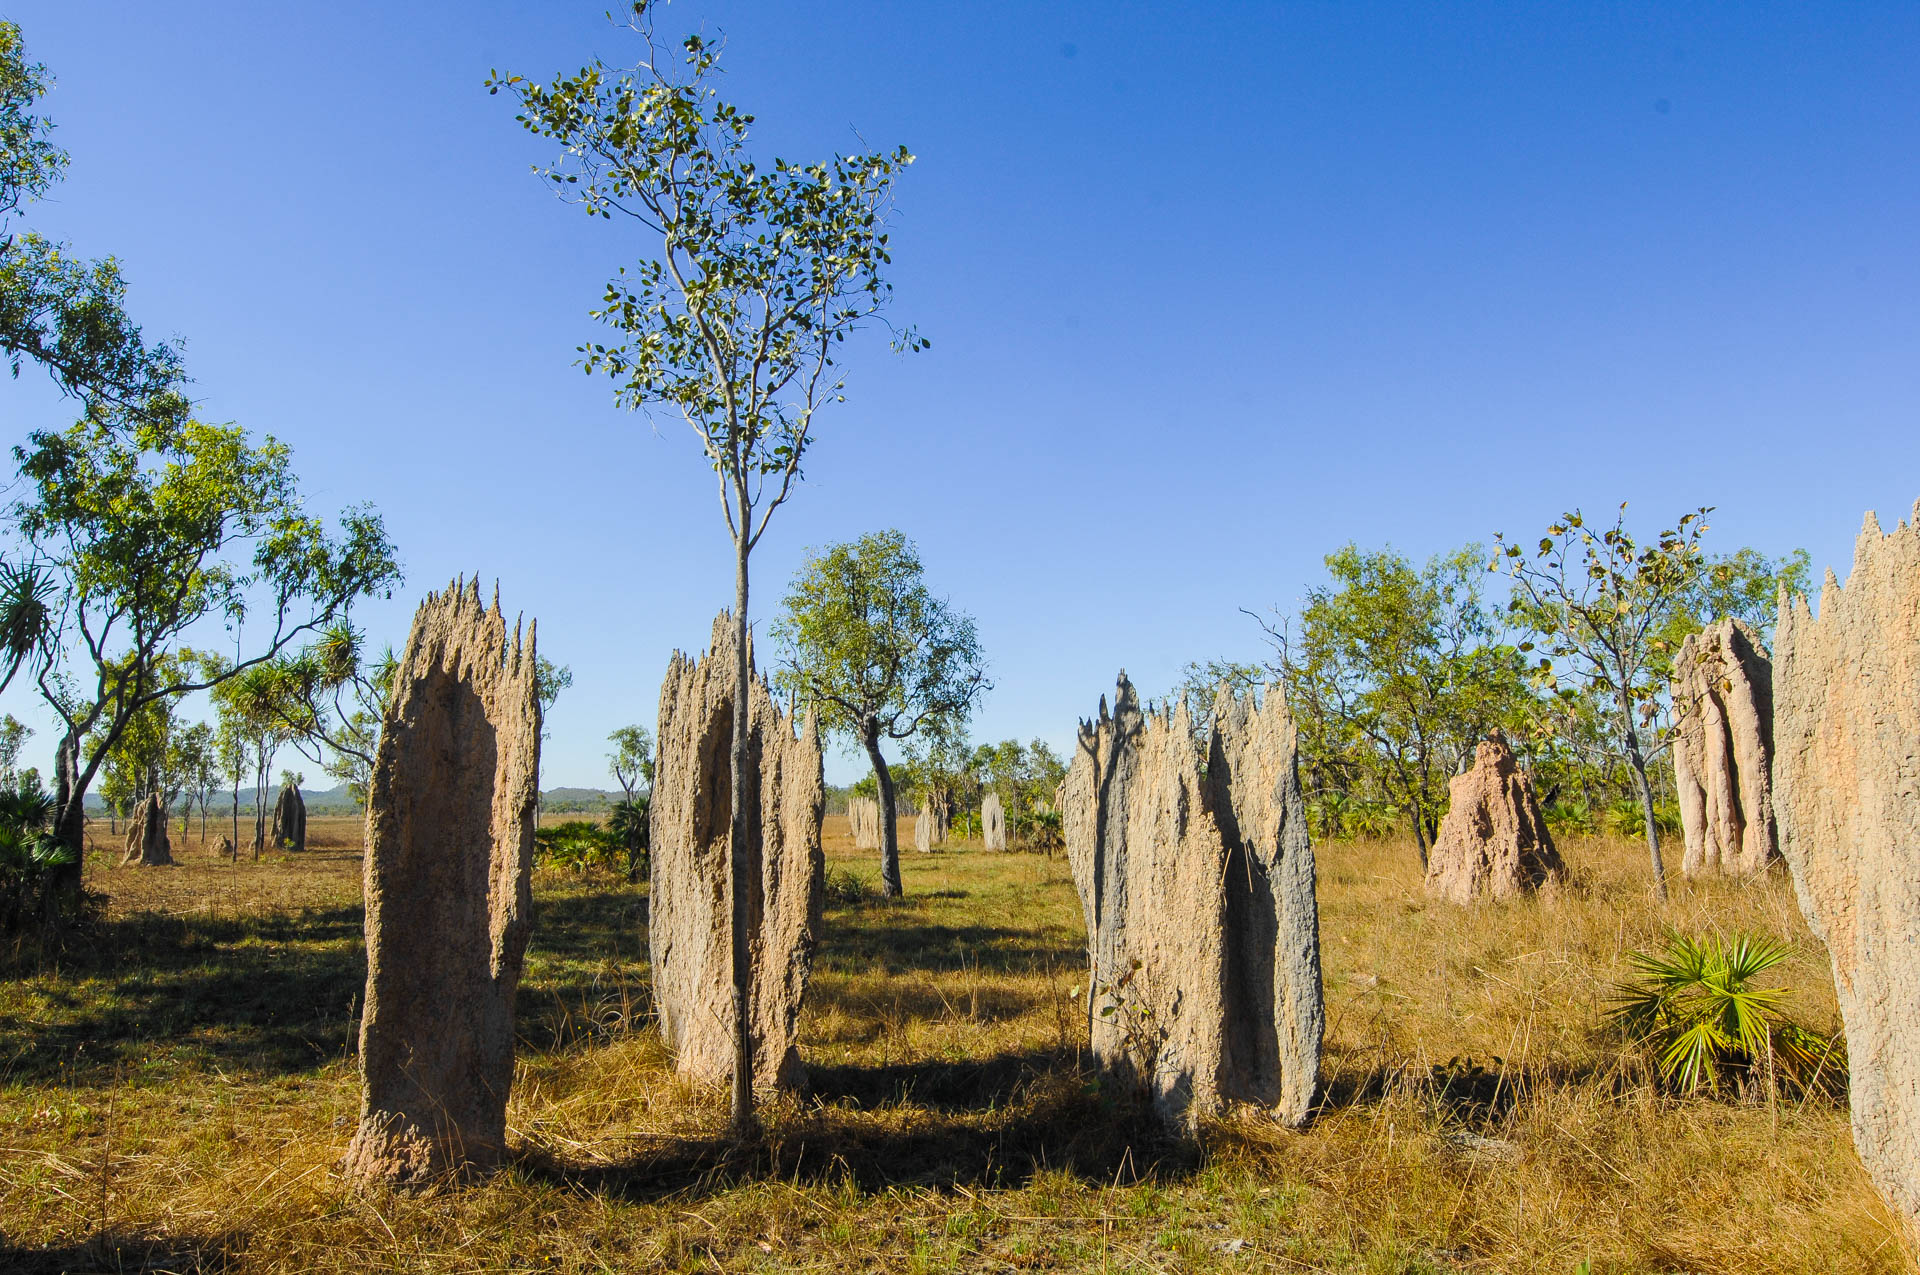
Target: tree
[(631, 760), (1607, 612), (144, 532), (632, 764), (878, 657), (329, 700), (253, 711), (13, 734), (1025, 776), (1393, 673), (58, 310), (230, 748), (756, 274), (197, 761)]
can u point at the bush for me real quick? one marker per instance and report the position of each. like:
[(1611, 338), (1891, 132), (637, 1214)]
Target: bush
[(1695, 1007), (30, 857), (628, 826), (847, 888), (578, 845), (1044, 830), (1566, 818), (1624, 818)]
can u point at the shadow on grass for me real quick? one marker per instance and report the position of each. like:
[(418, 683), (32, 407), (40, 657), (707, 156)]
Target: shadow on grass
[(1462, 1091), (994, 1123), (278, 992), (125, 1255), (271, 992), (890, 943)]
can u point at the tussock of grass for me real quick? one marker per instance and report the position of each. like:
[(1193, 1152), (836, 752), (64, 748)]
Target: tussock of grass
[(175, 1096)]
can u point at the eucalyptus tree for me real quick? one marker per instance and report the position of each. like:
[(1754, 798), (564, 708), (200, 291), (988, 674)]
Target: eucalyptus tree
[(145, 530), (870, 649), (751, 276)]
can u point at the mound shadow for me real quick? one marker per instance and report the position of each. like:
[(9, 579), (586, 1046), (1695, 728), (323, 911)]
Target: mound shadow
[(125, 1254), (269, 993), (992, 1124)]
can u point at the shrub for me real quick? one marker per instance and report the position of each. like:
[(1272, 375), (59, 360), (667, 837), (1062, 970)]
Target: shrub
[(29, 853), (1566, 818), (1696, 1008), (628, 827), (1624, 818), (577, 845), (1044, 830), (847, 888)]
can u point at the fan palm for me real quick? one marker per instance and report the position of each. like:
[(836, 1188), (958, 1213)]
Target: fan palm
[(1698, 1006)]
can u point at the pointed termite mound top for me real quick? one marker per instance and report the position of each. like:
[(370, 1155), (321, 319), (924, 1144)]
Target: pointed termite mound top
[(1493, 843), (449, 853), (1203, 933), (1723, 750), (691, 911), (1846, 776)]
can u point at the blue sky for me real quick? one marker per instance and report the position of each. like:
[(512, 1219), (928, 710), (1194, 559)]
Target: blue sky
[(1212, 290)]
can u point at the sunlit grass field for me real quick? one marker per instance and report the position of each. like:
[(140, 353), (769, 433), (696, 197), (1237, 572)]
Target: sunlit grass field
[(176, 1097)]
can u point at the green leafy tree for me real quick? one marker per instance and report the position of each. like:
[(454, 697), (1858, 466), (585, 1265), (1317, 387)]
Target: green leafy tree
[(14, 734), (871, 650), (631, 760), (1397, 671), (329, 699), (196, 759), (58, 310), (146, 532), (1607, 612), (31, 857), (753, 276), (253, 710), (1024, 775)]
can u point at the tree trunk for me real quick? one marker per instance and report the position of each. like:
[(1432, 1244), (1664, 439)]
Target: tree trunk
[(1638, 765), (746, 1127), (70, 814), (1419, 835), (889, 825)]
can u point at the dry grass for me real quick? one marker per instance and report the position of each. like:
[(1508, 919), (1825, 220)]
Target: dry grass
[(176, 1098)]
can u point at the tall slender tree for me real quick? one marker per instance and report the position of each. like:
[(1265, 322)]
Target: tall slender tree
[(752, 276)]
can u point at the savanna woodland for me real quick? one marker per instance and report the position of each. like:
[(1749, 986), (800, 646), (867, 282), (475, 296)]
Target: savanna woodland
[(1541, 900)]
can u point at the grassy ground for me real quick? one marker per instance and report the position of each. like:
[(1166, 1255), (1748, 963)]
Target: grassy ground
[(176, 1097)]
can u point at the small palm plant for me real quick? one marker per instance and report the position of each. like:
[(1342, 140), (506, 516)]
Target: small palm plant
[(1697, 1007), (29, 852)]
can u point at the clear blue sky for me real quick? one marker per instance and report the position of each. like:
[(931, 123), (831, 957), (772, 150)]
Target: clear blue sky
[(1212, 289)]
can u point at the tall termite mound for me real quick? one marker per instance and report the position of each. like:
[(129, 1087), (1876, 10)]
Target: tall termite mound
[(1198, 890), (690, 924), (147, 843), (450, 811), (1846, 776), (1723, 750), (993, 822), (923, 831), (290, 819), (863, 820), (1493, 843)]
